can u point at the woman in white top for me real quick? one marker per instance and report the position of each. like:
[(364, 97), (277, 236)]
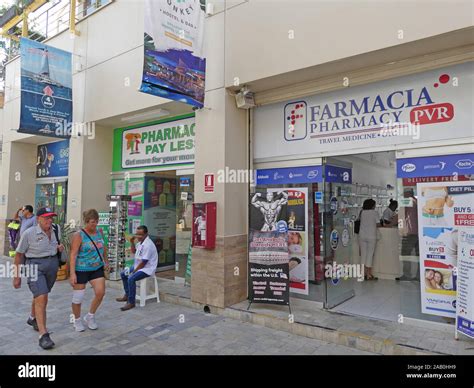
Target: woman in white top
[(369, 220)]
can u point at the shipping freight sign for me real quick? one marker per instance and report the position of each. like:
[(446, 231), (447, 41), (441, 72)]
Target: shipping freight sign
[(436, 105)]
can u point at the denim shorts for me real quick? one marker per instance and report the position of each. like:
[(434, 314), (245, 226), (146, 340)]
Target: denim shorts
[(47, 270)]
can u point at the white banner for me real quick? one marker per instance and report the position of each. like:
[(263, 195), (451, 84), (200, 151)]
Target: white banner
[(434, 105), (443, 208), (169, 143), (465, 272)]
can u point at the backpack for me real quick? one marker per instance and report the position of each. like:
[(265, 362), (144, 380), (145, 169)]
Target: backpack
[(59, 254)]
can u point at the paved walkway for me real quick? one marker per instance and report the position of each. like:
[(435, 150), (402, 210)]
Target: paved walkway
[(161, 329)]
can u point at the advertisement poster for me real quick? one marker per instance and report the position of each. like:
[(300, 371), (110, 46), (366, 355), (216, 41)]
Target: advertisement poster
[(443, 209), (53, 159), (268, 267), (159, 216), (465, 288), (135, 208), (297, 221), (170, 143), (46, 90), (268, 211), (103, 226), (174, 66)]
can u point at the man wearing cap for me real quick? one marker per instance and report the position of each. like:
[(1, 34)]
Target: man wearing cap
[(40, 247)]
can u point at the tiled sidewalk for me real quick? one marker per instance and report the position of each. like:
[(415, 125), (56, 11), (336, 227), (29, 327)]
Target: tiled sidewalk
[(158, 329)]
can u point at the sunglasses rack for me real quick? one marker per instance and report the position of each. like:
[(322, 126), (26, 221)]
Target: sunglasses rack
[(117, 228)]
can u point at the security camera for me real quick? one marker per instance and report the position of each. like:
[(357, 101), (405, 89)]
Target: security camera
[(245, 98)]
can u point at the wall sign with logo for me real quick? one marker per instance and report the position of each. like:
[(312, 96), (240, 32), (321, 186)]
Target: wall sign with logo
[(165, 143), (443, 209), (53, 160), (46, 90), (272, 176), (436, 166), (411, 109), (337, 174), (209, 183)]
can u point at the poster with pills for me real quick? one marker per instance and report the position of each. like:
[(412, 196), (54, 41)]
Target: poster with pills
[(444, 208)]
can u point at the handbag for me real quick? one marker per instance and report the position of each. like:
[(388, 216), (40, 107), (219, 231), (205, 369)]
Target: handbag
[(357, 224), (97, 249)]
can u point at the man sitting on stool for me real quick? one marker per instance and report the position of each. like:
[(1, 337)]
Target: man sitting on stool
[(146, 260)]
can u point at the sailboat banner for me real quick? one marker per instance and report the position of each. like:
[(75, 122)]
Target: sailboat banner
[(46, 90), (174, 65)]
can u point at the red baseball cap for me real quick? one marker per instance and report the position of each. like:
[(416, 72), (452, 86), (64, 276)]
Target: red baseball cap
[(45, 212)]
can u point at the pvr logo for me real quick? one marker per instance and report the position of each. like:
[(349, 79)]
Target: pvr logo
[(295, 121), (432, 114)]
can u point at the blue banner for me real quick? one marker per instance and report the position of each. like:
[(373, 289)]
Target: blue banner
[(46, 90), (338, 174), (174, 66), (445, 165), (53, 159), (275, 176)]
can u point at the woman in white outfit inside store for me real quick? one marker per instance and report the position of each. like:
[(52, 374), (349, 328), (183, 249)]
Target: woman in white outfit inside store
[(369, 220)]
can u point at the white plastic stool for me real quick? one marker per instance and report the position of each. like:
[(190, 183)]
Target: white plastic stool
[(142, 295)]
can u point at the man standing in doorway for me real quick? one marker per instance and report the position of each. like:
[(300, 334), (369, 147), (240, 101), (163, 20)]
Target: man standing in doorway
[(146, 261), (39, 246)]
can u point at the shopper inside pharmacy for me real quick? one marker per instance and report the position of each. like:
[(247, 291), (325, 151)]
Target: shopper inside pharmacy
[(390, 216)]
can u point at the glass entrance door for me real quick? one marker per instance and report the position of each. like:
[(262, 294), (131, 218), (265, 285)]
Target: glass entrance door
[(338, 243)]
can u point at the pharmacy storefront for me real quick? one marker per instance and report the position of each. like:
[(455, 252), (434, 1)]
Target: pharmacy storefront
[(406, 141), (153, 164)]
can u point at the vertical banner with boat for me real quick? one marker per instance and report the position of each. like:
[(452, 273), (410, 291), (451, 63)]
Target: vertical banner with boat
[(174, 64), (46, 90)]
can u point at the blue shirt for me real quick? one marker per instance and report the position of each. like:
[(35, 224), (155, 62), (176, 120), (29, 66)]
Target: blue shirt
[(26, 223)]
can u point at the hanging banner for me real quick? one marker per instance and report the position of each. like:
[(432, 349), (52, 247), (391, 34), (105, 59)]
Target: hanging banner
[(174, 65), (268, 267), (53, 159), (443, 208), (46, 90), (297, 222), (465, 287)]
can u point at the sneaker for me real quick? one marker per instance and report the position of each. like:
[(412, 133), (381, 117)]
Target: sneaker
[(78, 326), (46, 342), (90, 321), (32, 322)]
